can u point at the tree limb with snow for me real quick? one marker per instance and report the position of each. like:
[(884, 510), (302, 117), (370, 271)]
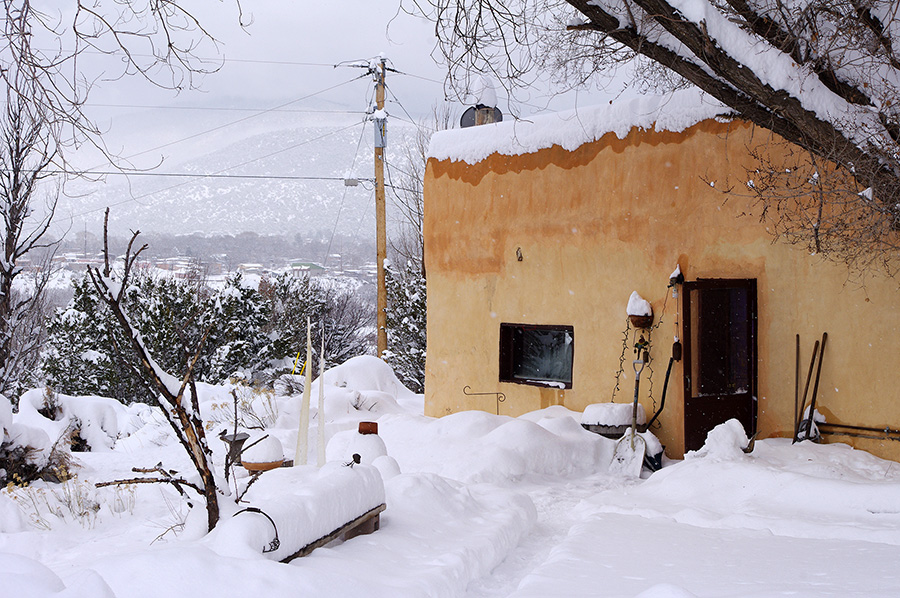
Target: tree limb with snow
[(177, 397)]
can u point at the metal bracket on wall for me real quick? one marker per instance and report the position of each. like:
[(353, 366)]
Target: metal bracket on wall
[(467, 390)]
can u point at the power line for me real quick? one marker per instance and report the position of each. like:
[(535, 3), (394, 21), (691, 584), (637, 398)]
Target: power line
[(343, 195), (201, 175), (240, 120), (221, 59), (225, 109), (419, 77), (169, 188)]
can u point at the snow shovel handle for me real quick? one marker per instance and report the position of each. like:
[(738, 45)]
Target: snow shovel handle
[(638, 365)]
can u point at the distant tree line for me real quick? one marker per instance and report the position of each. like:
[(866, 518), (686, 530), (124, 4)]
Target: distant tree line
[(239, 248)]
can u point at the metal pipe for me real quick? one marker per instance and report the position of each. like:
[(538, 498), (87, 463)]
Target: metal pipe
[(885, 430), (855, 435)]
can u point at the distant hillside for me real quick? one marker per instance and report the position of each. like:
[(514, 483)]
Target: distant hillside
[(278, 144)]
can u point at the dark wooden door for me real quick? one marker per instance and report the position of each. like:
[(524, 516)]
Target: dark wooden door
[(720, 356)]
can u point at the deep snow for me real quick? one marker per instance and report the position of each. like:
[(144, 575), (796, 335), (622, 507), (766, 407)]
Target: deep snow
[(477, 505)]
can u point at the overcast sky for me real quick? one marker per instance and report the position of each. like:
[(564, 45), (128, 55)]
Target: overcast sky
[(288, 51), (284, 57)]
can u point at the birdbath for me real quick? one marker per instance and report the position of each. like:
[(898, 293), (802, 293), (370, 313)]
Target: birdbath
[(235, 444)]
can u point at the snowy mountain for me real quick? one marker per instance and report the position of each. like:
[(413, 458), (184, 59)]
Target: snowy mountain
[(294, 161)]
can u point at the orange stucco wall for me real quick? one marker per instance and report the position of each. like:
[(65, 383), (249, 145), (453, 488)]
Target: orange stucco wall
[(615, 216)]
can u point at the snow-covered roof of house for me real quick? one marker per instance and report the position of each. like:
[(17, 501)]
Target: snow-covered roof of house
[(573, 128)]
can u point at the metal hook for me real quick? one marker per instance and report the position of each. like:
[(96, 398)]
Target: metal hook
[(500, 396)]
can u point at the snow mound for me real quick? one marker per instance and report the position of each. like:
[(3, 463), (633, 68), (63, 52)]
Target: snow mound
[(725, 442), (344, 445), (26, 578), (265, 449), (11, 520), (304, 504), (362, 385), (474, 446), (612, 414), (367, 373), (824, 491), (96, 420)]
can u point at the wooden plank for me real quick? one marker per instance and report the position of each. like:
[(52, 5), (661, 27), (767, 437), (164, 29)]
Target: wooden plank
[(334, 535)]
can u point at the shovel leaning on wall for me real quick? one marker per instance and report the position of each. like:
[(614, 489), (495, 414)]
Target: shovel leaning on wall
[(628, 457)]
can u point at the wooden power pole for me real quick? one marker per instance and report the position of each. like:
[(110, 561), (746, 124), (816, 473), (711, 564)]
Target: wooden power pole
[(380, 213)]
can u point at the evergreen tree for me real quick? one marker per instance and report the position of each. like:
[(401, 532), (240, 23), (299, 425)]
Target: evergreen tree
[(406, 301), (237, 340), (337, 312), (80, 356)]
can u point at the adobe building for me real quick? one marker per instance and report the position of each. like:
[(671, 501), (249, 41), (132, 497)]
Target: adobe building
[(537, 233)]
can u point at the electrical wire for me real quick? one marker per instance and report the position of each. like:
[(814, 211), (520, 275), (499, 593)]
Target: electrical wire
[(402, 107), (343, 195), (240, 120), (224, 109), (406, 172), (221, 59), (194, 175), (208, 175)]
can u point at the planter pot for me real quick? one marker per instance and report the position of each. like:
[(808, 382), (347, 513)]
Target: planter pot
[(262, 466), (641, 321), (368, 427)]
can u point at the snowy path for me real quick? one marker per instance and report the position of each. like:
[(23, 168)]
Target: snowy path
[(572, 552), (555, 501)]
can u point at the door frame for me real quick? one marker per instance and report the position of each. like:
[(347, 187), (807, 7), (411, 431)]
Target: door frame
[(746, 402)]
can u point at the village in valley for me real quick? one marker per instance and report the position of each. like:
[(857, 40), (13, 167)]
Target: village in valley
[(589, 299)]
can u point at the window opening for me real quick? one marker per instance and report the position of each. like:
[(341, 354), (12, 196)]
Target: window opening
[(537, 354)]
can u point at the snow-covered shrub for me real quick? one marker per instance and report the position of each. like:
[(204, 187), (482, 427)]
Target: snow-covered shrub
[(79, 355), (256, 408), (86, 353), (237, 317), (406, 325), (336, 311), (73, 500)]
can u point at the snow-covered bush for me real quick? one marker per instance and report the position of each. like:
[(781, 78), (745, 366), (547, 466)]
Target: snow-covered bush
[(237, 342), (86, 353), (79, 356), (337, 312), (406, 325), (256, 408)]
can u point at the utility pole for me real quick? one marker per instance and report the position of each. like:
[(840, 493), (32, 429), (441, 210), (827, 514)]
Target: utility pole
[(380, 212)]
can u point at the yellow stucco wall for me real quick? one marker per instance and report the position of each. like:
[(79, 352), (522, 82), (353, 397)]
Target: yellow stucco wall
[(615, 216)]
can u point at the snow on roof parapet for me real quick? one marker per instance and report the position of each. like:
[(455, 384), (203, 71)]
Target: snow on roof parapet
[(573, 128)]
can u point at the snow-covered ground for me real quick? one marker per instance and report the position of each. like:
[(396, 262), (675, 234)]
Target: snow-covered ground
[(477, 505)]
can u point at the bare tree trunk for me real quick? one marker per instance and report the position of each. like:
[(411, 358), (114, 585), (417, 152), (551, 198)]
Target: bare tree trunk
[(27, 150), (183, 416)]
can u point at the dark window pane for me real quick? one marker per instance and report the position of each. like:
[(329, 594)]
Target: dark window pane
[(538, 354), (723, 339)]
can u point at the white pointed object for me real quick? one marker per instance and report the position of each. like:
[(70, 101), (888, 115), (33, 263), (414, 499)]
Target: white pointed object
[(485, 94), (676, 273), (303, 432), (321, 410)]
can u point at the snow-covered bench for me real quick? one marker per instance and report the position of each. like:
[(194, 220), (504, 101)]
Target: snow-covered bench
[(294, 510)]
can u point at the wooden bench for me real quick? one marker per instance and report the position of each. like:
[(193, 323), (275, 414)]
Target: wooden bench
[(366, 523)]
